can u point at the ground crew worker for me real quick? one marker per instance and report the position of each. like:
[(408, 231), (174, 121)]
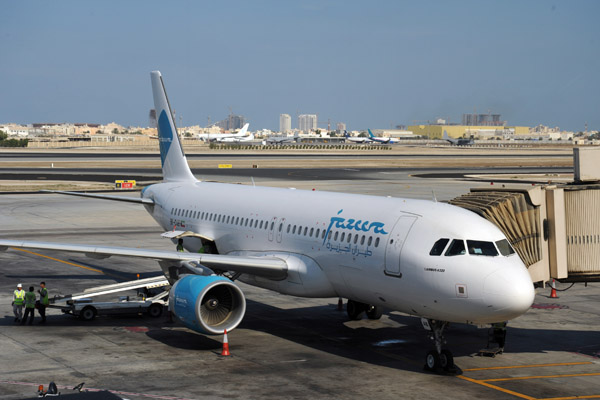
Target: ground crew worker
[(18, 302), (180, 245), (29, 306), (43, 302)]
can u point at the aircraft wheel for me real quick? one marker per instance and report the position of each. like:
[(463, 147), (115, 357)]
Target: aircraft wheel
[(374, 312), (447, 360), (433, 361), (354, 310), (155, 310), (88, 313)]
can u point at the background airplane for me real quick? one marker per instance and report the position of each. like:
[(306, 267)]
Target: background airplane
[(357, 139), (381, 139), (433, 260), (459, 141), (210, 137)]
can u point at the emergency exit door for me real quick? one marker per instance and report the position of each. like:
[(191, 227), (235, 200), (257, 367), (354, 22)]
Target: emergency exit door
[(393, 250)]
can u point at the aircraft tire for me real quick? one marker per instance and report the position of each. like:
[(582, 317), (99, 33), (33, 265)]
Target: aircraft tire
[(355, 310), (433, 361), (447, 360), (374, 312)]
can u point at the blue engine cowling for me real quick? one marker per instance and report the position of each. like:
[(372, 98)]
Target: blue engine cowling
[(207, 304)]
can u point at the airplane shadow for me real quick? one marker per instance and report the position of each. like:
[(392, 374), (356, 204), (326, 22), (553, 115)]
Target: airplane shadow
[(399, 341)]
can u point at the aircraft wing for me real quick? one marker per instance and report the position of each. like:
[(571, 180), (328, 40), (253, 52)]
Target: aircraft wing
[(137, 200), (268, 267)]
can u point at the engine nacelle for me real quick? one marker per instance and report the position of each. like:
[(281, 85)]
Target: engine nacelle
[(207, 304)]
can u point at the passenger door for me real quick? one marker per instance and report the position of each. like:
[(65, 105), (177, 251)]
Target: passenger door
[(393, 250)]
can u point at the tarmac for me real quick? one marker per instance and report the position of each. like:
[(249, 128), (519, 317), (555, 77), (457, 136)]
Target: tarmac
[(286, 347)]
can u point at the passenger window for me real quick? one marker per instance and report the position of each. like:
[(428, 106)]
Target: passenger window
[(342, 237), (305, 230), (329, 235), (294, 230), (312, 230), (256, 224), (377, 242), (362, 240), (335, 236), (370, 240), (288, 229), (317, 234), (349, 237), (280, 227), (323, 234), (438, 247), (457, 248), (355, 239), (505, 247), (480, 248), (272, 224)]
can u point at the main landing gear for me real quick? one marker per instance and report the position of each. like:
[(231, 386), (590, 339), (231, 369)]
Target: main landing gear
[(439, 359), (355, 310)]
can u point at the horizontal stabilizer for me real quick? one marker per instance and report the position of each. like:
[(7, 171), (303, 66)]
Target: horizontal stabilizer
[(138, 200)]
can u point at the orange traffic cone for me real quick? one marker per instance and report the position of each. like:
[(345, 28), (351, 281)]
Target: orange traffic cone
[(553, 291), (225, 351)]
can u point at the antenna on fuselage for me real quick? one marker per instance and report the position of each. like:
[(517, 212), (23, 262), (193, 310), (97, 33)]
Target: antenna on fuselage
[(433, 195), (253, 185)]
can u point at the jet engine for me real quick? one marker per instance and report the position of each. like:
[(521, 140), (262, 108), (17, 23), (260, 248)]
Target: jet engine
[(207, 304)]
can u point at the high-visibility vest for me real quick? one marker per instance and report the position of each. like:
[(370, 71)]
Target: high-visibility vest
[(44, 297), (180, 247), (19, 297), (30, 300)]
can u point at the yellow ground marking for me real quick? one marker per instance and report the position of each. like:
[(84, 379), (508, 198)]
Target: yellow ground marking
[(530, 366), (61, 261), (593, 396), (485, 382), (520, 378), (523, 396)]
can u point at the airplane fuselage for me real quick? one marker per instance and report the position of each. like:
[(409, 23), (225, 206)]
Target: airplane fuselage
[(375, 250)]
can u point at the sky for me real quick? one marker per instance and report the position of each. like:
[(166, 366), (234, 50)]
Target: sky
[(369, 64)]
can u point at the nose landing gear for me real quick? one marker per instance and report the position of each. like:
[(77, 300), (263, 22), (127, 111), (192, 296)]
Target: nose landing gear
[(438, 360)]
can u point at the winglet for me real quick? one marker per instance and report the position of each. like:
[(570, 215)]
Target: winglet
[(174, 163)]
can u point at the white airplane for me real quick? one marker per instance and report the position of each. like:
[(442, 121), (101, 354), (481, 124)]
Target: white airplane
[(241, 136), (383, 140), (433, 260), (357, 139), (218, 137)]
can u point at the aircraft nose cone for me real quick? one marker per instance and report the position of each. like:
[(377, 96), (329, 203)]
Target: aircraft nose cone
[(509, 292)]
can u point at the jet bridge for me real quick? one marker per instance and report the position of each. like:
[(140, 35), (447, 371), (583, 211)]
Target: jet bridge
[(555, 229)]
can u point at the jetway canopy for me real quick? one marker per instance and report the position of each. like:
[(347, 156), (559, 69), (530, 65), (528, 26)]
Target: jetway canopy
[(554, 229), (515, 215)]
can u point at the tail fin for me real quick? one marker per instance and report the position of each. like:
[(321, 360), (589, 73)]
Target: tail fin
[(242, 132), (370, 133), (174, 163)]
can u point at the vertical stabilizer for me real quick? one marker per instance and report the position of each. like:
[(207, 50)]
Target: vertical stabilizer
[(174, 163)]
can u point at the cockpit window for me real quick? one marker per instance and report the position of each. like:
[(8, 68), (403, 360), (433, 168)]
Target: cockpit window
[(505, 247), (438, 247), (480, 248), (457, 248)]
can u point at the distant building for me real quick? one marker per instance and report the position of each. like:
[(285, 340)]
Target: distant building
[(341, 127), (482, 120), (307, 122), (232, 122), (285, 123), (458, 131)]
